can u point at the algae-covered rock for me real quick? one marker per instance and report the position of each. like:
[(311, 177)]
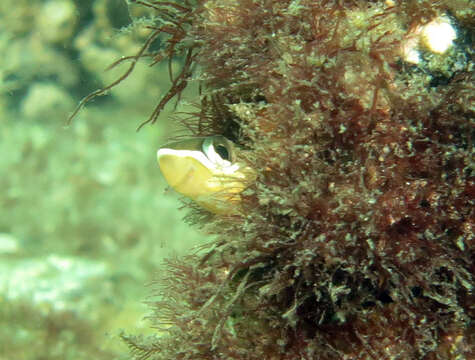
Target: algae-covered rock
[(46, 101), (42, 41), (56, 282), (57, 21)]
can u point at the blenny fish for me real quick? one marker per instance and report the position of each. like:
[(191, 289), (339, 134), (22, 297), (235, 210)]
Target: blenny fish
[(205, 170)]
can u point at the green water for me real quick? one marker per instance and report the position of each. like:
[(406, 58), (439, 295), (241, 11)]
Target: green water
[(85, 221)]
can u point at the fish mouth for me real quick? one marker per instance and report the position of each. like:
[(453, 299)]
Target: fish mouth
[(213, 186), (183, 171)]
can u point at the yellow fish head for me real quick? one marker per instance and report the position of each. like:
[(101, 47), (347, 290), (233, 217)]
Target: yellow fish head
[(204, 169)]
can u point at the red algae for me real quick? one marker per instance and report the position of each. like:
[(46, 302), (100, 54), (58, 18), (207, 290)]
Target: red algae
[(356, 240)]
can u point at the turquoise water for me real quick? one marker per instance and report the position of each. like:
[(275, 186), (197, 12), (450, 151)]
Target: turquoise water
[(85, 220)]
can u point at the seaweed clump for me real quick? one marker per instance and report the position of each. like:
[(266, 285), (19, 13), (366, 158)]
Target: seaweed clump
[(356, 240)]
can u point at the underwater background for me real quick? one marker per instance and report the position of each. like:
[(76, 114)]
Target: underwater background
[(84, 219), (353, 236)]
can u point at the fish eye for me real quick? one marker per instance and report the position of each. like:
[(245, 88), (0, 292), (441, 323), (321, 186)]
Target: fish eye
[(222, 151), (217, 150)]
